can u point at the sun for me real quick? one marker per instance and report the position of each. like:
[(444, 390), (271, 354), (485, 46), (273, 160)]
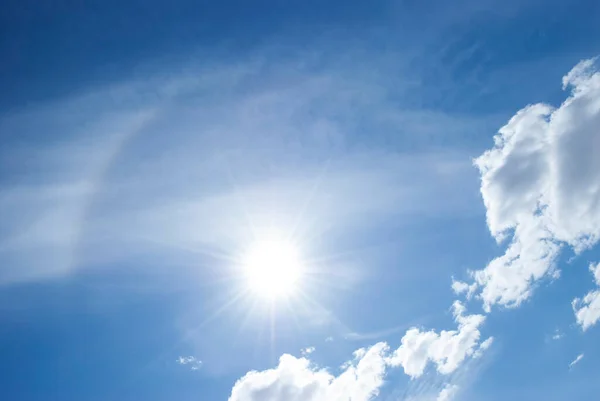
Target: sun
[(272, 268)]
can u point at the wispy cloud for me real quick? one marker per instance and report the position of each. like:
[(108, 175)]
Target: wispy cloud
[(557, 335), (576, 361), (448, 393), (108, 196), (50, 211), (190, 361), (376, 335)]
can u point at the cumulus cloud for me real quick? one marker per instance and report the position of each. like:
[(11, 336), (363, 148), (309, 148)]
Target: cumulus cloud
[(587, 309), (576, 361), (460, 287), (447, 349), (296, 379), (540, 186)]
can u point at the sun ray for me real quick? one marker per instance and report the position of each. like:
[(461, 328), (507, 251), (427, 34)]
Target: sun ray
[(320, 309), (168, 352), (248, 314), (292, 313), (196, 249), (241, 202), (223, 308), (272, 331), (309, 199)]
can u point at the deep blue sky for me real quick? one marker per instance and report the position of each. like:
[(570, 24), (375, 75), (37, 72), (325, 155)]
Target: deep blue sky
[(59, 48), (138, 135)]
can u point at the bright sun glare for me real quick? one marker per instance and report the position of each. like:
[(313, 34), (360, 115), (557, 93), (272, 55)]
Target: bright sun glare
[(272, 268)]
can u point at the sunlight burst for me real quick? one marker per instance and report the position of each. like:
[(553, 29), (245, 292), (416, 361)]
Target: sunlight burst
[(272, 268)]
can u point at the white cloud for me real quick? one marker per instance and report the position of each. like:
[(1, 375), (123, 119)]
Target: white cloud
[(483, 347), (460, 287), (557, 335), (184, 360), (447, 349), (296, 379), (448, 393), (540, 187), (596, 272), (191, 361), (587, 310), (576, 361)]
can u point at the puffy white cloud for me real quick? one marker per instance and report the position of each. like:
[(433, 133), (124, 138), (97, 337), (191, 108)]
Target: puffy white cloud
[(448, 393), (447, 349), (460, 287), (587, 310), (296, 379), (540, 186)]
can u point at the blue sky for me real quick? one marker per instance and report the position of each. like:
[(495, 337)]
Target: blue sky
[(433, 165)]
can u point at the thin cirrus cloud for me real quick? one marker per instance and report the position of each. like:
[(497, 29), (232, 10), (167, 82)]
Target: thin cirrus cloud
[(104, 194), (448, 393), (48, 209), (576, 361)]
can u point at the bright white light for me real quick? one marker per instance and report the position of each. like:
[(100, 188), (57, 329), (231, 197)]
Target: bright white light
[(272, 268)]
